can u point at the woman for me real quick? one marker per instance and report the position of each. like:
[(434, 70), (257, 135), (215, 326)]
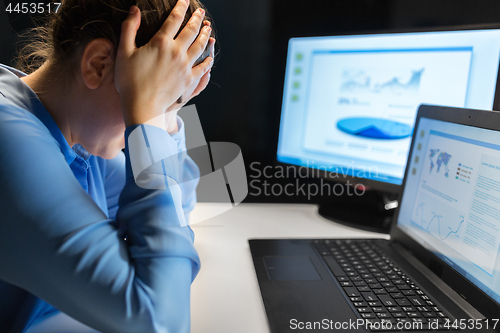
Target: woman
[(77, 234)]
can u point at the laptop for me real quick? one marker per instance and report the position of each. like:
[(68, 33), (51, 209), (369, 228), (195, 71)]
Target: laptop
[(439, 271)]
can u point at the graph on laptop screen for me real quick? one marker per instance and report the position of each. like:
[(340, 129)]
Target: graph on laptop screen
[(451, 201), (349, 102)]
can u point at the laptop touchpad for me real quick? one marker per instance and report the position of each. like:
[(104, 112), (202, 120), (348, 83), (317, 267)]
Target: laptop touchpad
[(290, 268)]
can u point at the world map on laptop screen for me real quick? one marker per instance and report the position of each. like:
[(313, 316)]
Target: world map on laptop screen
[(451, 199), (350, 102)]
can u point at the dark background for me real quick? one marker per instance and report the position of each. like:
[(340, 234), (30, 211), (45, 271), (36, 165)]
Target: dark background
[(243, 102)]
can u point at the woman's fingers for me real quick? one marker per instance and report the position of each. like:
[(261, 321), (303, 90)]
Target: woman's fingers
[(205, 79), (202, 68), (129, 31), (190, 31), (211, 45), (174, 20), (197, 48)]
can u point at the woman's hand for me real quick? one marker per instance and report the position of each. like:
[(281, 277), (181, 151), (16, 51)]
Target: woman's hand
[(150, 79)]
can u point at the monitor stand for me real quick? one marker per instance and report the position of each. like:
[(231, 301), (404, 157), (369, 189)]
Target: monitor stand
[(372, 211)]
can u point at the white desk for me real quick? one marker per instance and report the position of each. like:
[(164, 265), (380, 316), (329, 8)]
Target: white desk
[(225, 295)]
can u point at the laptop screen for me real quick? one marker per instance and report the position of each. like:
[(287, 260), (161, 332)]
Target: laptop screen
[(451, 200)]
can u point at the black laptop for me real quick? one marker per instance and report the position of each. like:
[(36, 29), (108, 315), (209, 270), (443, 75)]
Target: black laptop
[(440, 270)]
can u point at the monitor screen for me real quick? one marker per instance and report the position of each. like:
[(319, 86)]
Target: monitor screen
[(350, 102), (451, 199)]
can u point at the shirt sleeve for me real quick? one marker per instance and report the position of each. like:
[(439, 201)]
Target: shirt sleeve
[(189, 173), (58, 245), (115, 175)]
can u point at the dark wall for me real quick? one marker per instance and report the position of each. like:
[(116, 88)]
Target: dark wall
[(7, 37), (243, 102)]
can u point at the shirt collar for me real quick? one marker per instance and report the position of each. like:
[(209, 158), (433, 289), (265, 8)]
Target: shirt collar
[(21, 95)]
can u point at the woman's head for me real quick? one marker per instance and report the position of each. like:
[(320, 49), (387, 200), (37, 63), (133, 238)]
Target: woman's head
[(77, 47), (63, 35)]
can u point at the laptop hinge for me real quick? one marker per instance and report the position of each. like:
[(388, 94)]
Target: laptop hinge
[(443, 287)]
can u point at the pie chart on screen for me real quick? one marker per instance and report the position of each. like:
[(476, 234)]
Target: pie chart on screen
[(375, 128)]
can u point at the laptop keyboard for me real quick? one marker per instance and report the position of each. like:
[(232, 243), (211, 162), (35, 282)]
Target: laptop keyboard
[(378, 289)]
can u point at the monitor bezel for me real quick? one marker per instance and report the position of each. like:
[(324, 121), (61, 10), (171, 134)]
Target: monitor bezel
[(371, 183), (470, 292)]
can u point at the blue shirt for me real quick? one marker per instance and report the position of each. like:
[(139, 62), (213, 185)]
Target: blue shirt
[(64, 215)]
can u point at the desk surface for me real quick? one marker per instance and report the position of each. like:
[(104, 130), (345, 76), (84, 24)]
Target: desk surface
[(225, 295)]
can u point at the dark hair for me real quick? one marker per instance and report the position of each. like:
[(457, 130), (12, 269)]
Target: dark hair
[(63, 35)]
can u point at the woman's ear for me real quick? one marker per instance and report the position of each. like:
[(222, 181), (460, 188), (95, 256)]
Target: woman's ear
[(97, 62)]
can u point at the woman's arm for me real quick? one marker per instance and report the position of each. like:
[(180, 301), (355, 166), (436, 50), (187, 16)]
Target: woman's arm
[(114, 180), (58, 245)]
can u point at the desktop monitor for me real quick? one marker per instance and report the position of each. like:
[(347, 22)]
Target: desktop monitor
[(349, 103)]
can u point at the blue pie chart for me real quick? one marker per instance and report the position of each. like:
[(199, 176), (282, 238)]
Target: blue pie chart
[(375, 128)]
